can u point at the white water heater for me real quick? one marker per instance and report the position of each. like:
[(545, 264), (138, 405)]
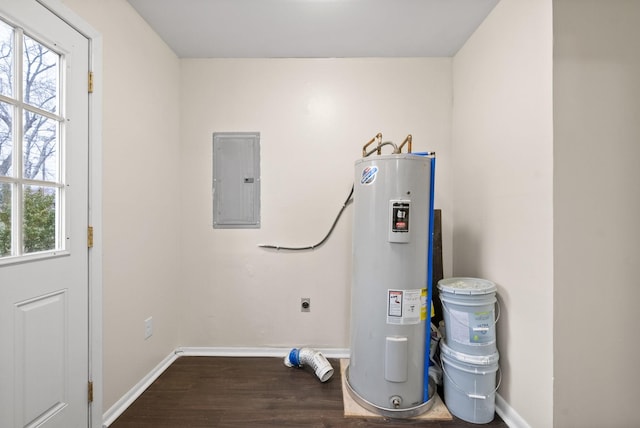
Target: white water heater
[(391, 285)]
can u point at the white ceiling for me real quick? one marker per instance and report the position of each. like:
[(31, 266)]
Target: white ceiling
[(314, 28)]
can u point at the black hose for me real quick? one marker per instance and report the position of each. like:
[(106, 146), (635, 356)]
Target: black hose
[(319, 244)]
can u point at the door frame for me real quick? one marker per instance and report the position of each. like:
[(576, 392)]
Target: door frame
[(95, 202)]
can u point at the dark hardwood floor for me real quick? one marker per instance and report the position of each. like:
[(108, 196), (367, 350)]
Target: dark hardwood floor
[(251, 392)]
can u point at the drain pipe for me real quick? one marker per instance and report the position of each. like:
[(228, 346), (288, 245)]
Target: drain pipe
[(298, 357)]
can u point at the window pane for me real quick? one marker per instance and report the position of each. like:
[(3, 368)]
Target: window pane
[(5, 219), (6, 139), (39, 224), (40, 147), (40, 76), (6, 59)]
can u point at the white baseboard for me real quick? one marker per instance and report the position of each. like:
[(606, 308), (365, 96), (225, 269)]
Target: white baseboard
[(127, 399), (509, 415), (253, 352), (123, 403)]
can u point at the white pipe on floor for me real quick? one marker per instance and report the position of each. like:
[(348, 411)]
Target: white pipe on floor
[(311, 357)]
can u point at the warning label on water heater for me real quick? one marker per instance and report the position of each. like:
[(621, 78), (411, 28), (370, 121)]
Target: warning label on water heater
[(406, 306)]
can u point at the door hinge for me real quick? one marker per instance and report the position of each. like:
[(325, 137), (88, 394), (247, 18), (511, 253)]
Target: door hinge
[(90, 237), (91, 82), (90, 391)]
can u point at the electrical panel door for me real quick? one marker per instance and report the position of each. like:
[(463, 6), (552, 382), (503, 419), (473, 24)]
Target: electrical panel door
[(236, 180)]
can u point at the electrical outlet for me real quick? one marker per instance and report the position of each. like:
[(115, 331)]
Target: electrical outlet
[(148, 328), (305, 304)]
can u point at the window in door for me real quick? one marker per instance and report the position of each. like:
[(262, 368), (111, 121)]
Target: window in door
[(32, 189)]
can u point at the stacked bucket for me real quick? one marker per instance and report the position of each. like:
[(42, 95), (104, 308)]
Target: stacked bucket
[(468, 352)]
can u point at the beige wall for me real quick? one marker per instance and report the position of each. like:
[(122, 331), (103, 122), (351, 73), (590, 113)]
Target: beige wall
[(313, 116), (596, 212), (141, 188), (502, 184)]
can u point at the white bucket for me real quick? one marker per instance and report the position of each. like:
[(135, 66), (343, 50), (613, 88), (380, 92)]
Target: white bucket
[(470, 384), (469, 318)]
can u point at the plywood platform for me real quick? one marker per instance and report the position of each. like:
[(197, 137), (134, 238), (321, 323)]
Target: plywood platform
[(438, 412)]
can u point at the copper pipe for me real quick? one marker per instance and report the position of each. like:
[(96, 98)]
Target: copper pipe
[(406, 140), (378, 148), (377, 137)]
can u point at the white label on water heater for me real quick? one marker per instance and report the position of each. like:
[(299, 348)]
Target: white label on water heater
[(404, 306)]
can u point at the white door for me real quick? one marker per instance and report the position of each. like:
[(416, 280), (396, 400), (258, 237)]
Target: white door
[(44, 335)]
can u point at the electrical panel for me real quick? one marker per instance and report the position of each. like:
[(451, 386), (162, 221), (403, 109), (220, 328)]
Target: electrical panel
[(236, 180)]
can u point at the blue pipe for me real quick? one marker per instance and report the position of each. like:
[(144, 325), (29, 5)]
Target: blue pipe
[(427, 336)]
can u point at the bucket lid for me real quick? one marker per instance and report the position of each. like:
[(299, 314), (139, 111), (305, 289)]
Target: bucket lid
[(479, 360), (467, 286)]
